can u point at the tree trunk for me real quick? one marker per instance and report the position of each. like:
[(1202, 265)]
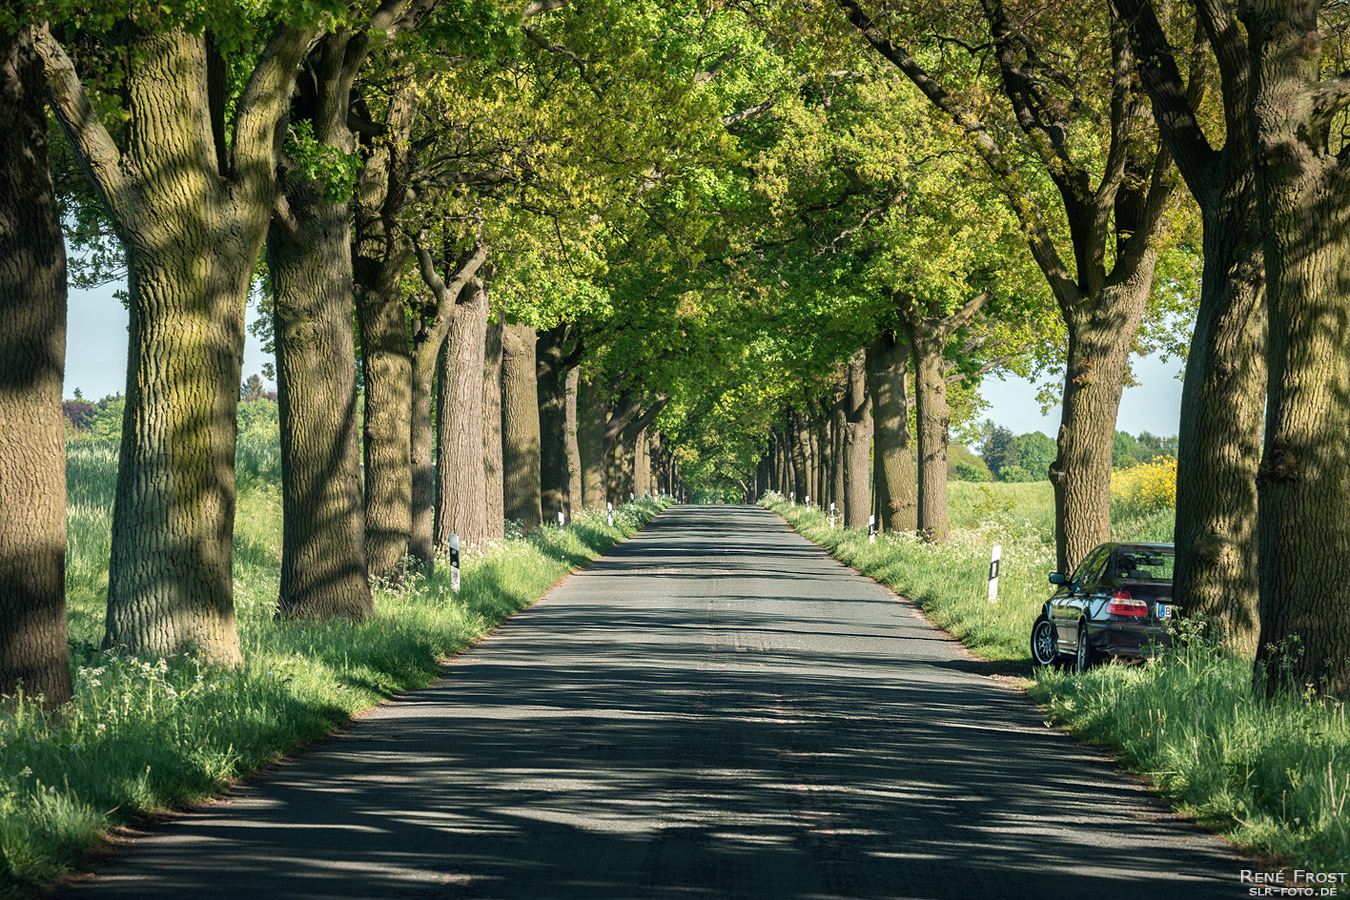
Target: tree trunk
[(461, 476), (1222, 402), (386, 365), (592, 413), (887, 371), (801, 478), (170, 585), (380, 256), (620, 466), (520, 427), (642, 465), (323, 572), (825, 441), (492, 427), (838, 429), (575, 503), (781, 473), (1099, 347), (432, 354), (323, 559), (857, 446), (934, 419), (551, 383), (34, 653), (422, 471), (1303, 532), (812, 444), (1223, 399)]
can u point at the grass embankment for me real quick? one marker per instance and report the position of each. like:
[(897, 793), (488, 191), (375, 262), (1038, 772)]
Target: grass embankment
[(1273, 777), (145, 735)]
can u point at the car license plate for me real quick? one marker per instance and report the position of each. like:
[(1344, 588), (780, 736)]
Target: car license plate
[(1164, 610)]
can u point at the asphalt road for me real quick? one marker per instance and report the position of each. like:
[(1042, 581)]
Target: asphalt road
[(716, 709)]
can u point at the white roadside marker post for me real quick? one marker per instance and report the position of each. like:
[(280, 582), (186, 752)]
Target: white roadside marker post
[(453, 543), (610, 508), (562, 520), (792, 498), (871, 529), (993, 572), (832, 515)]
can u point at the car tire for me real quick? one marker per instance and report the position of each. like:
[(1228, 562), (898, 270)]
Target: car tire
[(1044, 646), (1084, 658)]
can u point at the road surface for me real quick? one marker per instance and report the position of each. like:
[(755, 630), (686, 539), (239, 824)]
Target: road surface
[(715, 709)]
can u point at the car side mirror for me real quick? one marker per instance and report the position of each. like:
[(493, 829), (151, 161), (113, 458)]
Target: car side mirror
[(1058, 578)]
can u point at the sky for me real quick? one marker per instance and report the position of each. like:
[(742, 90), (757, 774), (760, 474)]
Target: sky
[(96, 363)]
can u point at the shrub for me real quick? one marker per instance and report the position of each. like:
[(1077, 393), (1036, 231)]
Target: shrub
[(969, 472)]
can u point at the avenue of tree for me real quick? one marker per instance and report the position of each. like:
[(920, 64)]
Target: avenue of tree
[(523, 259)]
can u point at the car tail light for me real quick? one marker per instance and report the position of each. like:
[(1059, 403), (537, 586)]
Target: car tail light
[(1122, 604)]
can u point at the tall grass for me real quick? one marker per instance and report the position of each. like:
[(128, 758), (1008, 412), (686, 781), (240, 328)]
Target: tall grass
[(950, 581), (1271, 775), (143, 735)]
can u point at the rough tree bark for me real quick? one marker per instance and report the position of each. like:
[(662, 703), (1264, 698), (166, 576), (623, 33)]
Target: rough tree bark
[(492, 426), (857, 445), (801, 462), (380, 256), (554, 360), (812, 443), (823, 412), (33, 649), (1223, 397), (592, 414), (192, 210), (574, 490), (323, 558), (520, 427), (642, 464), (422, 470), (459, 309), (461, 477), (887, 372), (1303, 532), (838, 427)]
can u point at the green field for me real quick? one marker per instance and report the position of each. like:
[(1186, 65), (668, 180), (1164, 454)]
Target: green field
[(1273, 777), (144, 735)]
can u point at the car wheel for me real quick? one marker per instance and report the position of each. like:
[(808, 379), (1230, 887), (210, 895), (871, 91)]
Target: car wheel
[(1084, 658), (1044, 649)]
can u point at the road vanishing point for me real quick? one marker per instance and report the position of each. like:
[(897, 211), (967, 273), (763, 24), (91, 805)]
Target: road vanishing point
[(714, 709)]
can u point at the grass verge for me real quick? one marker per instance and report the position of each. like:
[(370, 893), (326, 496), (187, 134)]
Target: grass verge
[(146, 735), (1272, 776)]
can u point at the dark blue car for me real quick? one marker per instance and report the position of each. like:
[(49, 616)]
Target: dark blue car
[(1117, 604)]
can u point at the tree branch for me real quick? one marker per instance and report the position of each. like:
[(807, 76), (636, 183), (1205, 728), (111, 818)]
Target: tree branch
[(447, 295), (1331, 96), (257, 131), (542, 6), (1172, 109), (1024, 206), (742, 115), (97, 152)]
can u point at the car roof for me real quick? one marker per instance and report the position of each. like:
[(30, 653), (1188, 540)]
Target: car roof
[(1139, 545)]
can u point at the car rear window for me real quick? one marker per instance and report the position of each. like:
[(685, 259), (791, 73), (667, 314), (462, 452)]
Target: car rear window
[(1144, 565)]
